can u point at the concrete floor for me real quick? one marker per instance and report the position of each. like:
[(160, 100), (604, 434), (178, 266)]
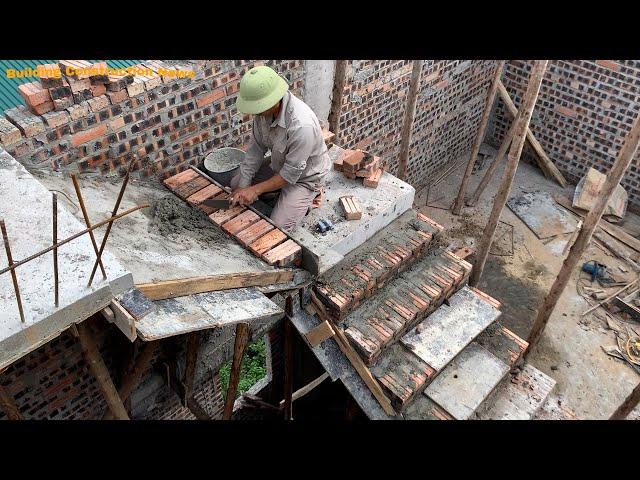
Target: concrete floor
[(589, 382)]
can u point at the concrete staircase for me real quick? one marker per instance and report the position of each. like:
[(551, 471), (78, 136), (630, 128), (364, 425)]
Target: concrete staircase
[(434, 344)]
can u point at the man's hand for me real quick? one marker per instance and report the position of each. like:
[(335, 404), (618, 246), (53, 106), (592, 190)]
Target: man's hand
[(244, 196)]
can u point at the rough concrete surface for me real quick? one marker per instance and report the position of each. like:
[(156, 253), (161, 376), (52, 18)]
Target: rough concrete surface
[(589, 382), (170, 240), (26, 208)]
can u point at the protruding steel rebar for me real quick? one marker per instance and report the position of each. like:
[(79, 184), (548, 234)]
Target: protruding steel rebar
[(14, 277)]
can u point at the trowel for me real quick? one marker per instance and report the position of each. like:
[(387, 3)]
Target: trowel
[(222, 204)]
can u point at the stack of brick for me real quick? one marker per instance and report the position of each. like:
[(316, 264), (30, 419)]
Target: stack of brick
[(159, 117), (254, 233), (360, 164)]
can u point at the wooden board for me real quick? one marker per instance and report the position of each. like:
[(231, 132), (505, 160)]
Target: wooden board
[(542, 215), (319, 334), (465, 383), (439, 338), (176, 316), (225, 281), (588, 189)]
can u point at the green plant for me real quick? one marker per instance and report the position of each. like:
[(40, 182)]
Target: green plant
[(252, 369)]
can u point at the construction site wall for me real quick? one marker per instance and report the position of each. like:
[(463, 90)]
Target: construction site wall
[(584, 110)]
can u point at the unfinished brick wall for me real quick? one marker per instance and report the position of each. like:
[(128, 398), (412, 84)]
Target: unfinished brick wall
[(584, 110), (166, 125), (448, 110)]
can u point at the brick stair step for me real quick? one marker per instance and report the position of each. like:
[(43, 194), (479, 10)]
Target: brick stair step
[(208, 210), (188, 188), (439, 338), (553, 409), (467, 381), (255, 231), (425, 409), (207, 192), (221, 216), (239, 223), (502, 342), (179, 178), (268, 241), (401, 374), (519, 397), (286, 253)]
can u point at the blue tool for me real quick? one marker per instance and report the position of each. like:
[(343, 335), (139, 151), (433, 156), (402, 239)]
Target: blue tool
[(595, 269), (324, 225)]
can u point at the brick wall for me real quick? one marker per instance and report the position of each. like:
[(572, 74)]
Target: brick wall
[(584, 110), (166, 125), (448, 110)]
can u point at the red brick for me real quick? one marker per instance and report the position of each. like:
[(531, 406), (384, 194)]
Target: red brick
[(284, 254), (201, 195), (117, 97), (42, 108), (210, 97), (566, 111), (98, 89), (267, 242), (373, 180), (88, 135), (34, 94), (255, 231), (610, 64), (240, 222), (224, 215)]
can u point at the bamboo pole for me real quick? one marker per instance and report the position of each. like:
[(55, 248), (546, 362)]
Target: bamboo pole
[(87, 222), (14, 277), (288, 359), (72, 237), (339, 79), (491, 96), (547, 166), (240, 343), (409, 114), (8, 405), (100, 372), (56, 282), (522, 120), (624, 158), (494, 165)]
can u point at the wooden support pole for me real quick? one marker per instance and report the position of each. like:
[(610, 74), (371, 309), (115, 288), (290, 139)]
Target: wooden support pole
[(522, 122), (14, 277), (491, 96), (301, 392), (87, 222), (56, 282), (8, 405), (288, 359), (492, 168), (193, 343), (134, 375), (125, 181), (339, 79), (628, 405), (100, 372), (409, 114), (623, 160), (72, 237), (240, 343), (547, 166)]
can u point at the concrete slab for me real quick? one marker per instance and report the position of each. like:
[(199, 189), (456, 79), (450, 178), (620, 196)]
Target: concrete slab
[(176, 316), (519, 397), (465, 383), (447, 331), (26, 208), (380, 206)]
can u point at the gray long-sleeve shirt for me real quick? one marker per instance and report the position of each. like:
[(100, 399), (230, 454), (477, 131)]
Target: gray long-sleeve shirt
[(298, 151)]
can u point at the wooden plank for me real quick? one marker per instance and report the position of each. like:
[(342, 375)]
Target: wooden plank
[(488, 106), (319, 334), (523, 118), (613, 230), (100, 372), (339, 80), (355, 360), (224, 281), (548, 167), (301, 392), (240, 343), (123, 320)]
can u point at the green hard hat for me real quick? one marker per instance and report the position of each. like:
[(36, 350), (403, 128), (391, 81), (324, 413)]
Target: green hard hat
[(260, 89)]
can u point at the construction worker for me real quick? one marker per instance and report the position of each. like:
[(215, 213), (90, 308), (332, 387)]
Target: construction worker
[(299, 161)]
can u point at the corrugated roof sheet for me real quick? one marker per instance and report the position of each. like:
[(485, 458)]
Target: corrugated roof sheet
[(9, 96)]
